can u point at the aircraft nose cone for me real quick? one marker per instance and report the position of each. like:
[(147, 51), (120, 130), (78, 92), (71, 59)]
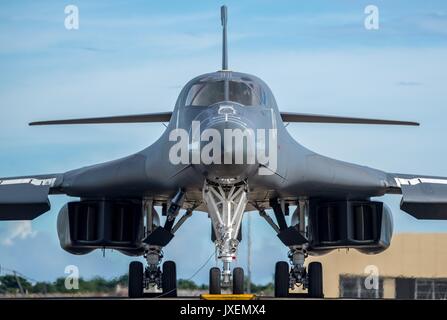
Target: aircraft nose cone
[(228, 146)]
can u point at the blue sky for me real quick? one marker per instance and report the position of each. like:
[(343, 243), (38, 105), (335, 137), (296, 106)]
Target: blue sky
[(134, 58)]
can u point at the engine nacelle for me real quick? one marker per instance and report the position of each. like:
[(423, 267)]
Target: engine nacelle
[(363, 225), (87, 225)]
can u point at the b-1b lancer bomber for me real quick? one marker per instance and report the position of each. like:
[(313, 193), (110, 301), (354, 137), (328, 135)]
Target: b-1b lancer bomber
[(225, 151)]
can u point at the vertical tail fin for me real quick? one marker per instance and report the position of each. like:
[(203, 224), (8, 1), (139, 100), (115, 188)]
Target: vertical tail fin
[(224, 18)]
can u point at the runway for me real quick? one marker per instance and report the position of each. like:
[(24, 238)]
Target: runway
[(184, 298)]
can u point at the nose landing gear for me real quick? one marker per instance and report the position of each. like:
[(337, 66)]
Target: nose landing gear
[(226, 205)]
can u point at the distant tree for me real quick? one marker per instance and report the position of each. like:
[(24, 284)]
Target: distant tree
[(263, 289), (59, 285), (122, 280), (42, 287), (9, 284), (186, 284)]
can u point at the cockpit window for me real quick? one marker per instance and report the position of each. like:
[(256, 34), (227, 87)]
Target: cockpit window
[(210, 92)]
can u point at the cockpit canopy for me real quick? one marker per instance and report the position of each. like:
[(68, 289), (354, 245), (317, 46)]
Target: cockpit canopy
[(208, 91)]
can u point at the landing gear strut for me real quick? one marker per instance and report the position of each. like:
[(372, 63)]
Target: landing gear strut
[(226, 205), (163, 278), (311, 279)]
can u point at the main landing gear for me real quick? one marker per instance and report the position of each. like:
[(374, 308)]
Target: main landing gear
[(155, 274), (289, 275), (226, 205), (140, 278)]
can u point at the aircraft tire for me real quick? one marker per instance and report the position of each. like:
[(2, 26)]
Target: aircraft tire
[(135, 284), (215, 287), (282, 279), (315, 278), (169, 279), (238, 281)]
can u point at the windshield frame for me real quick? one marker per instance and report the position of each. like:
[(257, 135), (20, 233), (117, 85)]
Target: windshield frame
[(257, 92)]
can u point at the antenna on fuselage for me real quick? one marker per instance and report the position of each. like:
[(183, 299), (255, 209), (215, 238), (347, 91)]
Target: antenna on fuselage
[(224, 18)]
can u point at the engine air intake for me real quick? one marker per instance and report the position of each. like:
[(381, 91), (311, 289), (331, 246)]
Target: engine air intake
[(363, 225)]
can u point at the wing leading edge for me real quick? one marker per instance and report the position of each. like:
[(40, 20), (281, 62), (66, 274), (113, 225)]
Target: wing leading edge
[(318, 118), (135, 118), (166, 116)]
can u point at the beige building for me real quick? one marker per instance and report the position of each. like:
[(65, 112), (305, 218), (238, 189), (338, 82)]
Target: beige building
[(413, 267)]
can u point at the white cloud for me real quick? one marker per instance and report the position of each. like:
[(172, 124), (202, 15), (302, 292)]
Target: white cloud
[(17, 230)]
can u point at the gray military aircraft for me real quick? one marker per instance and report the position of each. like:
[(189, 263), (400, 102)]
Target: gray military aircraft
[(225, 151)]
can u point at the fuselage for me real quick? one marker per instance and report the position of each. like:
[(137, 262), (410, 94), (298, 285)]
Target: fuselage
[(226, 128)]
